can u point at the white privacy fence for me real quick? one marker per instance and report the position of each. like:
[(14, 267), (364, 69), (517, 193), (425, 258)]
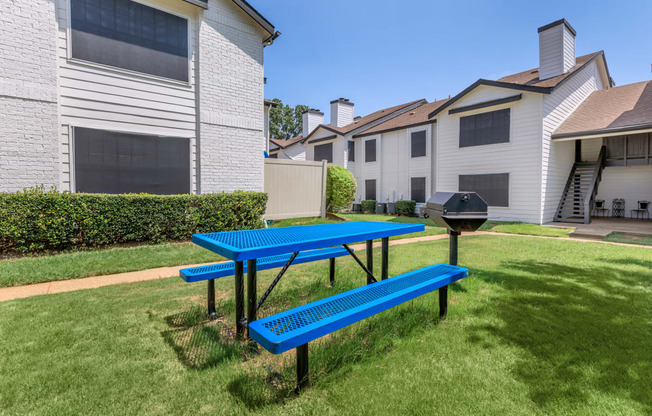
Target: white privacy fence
[(296, 189)]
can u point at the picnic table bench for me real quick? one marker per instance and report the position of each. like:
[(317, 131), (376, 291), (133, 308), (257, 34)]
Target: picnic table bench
[(281, 247)]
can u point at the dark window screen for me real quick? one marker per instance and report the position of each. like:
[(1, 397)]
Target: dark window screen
[(370, 150), (117, 163), (494, 188), (418, 187), (485, 128), (273, 156), (351, 151), (324, 151), (130, 35), (418, 143), (370, 189)]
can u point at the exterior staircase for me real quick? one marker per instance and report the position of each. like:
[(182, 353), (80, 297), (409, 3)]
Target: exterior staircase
[(578, 199)]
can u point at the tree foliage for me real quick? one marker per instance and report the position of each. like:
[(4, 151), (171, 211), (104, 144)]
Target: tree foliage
[(286, 122)]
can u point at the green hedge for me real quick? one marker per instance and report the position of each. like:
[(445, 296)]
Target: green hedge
[(369, 205), (34, 220), (340, 188), (406, 208)]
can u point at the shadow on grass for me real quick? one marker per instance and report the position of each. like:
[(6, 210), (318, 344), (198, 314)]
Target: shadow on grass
[(198, 342), (333, 356), (630, 260), (580, 330)]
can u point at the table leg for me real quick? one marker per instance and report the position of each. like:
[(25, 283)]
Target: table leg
[(385, 258), (252, 297), (331, 270), (370, 260), (303, 379), (211, 300), (239, 299)]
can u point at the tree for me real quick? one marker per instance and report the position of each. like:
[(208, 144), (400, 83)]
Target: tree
[(286, 122)]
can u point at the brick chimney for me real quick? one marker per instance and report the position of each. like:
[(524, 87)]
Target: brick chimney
[(556, 49)]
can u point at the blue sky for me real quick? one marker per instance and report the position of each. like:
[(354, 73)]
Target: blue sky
[(382, 53)]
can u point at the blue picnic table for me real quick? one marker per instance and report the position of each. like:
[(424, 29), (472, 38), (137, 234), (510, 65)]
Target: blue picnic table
[(251, 245), (295, 328)]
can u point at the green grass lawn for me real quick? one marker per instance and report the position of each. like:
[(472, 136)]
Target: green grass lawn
[(629, 239), (525, 229), (540, 327)]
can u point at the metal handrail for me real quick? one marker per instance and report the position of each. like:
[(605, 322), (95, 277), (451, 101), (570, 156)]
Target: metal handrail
[(591, 193)]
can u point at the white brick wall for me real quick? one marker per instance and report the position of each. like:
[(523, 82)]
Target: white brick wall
[(29, 151), (231, 137)]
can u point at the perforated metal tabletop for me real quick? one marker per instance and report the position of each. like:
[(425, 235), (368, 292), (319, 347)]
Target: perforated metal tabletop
[(251, 244)]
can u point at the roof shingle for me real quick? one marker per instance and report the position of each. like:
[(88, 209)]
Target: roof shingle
[(410, 118), (619, 108)]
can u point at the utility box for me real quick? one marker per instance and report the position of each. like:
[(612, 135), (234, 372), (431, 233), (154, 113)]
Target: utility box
[(381, 208), (457, 211)]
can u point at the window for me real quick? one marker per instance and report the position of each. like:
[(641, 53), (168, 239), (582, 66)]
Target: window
[(418, 143), (494, 188), (351, 151), (370, 150), (485, 128), (370, 189), (324, 151), (116, 163), (130, 35), (629, 150), (273, 156), (418, 189)]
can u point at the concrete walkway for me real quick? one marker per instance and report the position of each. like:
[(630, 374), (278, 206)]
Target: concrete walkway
[(18, 292)]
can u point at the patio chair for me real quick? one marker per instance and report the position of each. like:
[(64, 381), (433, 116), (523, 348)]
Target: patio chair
[(618, 208), (600, 208), (642, 210)]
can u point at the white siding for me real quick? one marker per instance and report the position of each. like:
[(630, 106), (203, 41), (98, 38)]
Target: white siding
[(113, 99), (341, 114), (591, 149), (294, 152), (521, 157), (632, 183), (556, 51), (558, 157)]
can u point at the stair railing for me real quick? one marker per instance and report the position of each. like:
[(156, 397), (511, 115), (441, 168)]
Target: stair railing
[(592, 192)]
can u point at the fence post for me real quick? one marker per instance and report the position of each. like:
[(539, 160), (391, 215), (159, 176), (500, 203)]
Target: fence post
[(324, 178)]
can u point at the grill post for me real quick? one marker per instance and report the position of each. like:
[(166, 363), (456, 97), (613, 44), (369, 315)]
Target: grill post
[(370, 260), (211, 299), (251, 292), (385, 258), (239, 299), (331, 270), (452, 260), (303, 380)]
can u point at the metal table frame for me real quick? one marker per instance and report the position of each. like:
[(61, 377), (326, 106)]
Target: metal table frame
[(251, 254)]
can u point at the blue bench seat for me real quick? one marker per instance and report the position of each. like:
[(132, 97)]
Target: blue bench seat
[(296, 327), (214, 271)]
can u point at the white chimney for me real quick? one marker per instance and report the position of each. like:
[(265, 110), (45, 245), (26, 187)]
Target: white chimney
[(341, 112), (311, 119), (556, 49)]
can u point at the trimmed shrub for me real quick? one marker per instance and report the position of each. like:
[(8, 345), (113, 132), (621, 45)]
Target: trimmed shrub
[(35, 220), (340, 188), (369, 205), (406, 208)]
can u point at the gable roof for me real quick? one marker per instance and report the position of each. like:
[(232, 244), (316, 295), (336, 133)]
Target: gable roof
[(366, 120), (283, 144), (624, 108), (253, 13), (528, 80), (412, 118)]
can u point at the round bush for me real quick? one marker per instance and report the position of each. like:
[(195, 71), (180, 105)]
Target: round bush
[(340, 188)]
